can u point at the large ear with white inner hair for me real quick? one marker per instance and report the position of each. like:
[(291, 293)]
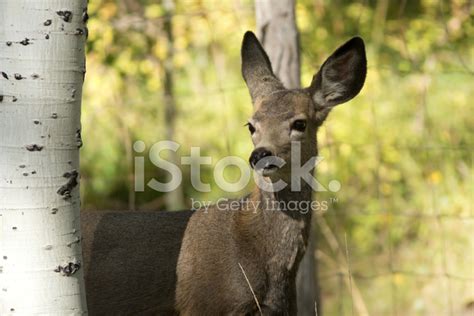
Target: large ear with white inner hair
[(257, 69), (342, 75)]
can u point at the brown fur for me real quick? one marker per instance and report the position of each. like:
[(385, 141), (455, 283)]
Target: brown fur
[(162, 263)]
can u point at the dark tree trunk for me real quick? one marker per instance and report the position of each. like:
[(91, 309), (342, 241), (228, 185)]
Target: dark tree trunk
[(174, 199)]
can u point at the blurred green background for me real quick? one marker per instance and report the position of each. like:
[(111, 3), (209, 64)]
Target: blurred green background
[(402, 224)]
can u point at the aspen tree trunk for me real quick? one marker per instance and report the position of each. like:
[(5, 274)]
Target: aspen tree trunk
[(42, 69), (174, 199), (278, 33)]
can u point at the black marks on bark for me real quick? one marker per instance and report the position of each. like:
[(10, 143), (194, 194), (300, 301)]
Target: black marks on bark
[(25, 174), (73, 93), (75, 241), (5, 257), (2, 97), (14, 228), (54, 210), (33, 172), (18, 76), (4, 75), (47, 22), (34, 147), (68, 174), (25, 42), (47, 36), (78, 31), (68, 269), (54, 115), (22, 166), (78, 138), (36, 122), (66, 189), (85, 16), (48, 247), (65, 15), (35, 76)]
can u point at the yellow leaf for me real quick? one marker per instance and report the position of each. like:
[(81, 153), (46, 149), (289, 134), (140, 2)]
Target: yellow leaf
[(435, 177)]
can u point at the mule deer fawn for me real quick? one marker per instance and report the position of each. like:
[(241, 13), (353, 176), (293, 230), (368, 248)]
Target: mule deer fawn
[(218, 262)]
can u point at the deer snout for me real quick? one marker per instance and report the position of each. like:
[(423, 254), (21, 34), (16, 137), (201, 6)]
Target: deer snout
[(258, 154)]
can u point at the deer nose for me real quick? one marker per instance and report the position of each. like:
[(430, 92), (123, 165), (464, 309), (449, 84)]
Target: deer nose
[(257, 154)]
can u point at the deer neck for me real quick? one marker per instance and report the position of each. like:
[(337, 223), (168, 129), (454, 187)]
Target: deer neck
[(281, 209), (284, 217), (296, 203)]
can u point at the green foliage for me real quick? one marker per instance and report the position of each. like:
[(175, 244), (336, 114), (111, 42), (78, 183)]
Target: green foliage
[(402, 149)]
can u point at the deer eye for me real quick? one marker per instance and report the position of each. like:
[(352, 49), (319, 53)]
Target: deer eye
[(251, 128), (299, 125)]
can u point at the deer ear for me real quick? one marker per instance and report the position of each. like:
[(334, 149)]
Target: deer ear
[(342, 75), (257, 69)]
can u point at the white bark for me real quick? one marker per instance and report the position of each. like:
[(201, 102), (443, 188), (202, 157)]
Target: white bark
[(42, 67), (278, 33)]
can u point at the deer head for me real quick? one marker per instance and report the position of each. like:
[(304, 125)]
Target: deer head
[(284, 116)]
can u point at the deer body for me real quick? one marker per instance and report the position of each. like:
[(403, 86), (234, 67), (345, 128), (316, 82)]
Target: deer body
[(268, 245), (160, 262), (213, 262)]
